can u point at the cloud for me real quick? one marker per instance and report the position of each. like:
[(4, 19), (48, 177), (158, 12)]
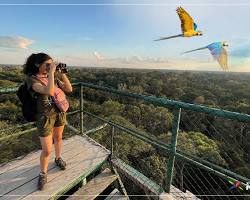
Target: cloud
[(17, 42), (135, 59), (139, 60), (144, 62), (98, 56)]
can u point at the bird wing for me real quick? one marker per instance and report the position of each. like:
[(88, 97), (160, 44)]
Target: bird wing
[(215, 51), (215, 48), (220, 54), (187, 23)]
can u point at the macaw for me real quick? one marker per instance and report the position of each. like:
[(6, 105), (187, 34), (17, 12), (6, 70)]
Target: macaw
[(235, 184), (188, 26), (218, 52)]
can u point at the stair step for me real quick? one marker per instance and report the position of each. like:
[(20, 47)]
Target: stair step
[(95, 186), (142, 181), (116, 195)]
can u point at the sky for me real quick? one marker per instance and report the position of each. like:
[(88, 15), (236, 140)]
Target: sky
[(120, 33)]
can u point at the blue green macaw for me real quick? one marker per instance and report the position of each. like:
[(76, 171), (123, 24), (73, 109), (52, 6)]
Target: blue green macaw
[(218, 52)]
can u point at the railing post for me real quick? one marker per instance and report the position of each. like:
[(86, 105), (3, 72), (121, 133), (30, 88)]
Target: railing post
[(170, 164), (112, 130), (81, 108)]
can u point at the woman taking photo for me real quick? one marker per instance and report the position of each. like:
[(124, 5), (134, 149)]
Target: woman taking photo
[(50, 117)]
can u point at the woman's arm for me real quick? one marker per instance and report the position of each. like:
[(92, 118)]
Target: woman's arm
[(65, 84)]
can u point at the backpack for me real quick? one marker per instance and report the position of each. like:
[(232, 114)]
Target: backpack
[(28, 102)]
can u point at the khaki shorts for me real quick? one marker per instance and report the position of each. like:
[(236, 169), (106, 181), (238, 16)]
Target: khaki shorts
[(45, 124)]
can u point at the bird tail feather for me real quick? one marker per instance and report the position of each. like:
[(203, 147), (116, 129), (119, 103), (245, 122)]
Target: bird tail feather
[(170, 37), (194, 50)]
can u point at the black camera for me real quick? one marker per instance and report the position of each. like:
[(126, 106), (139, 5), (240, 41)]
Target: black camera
[(62, 67)]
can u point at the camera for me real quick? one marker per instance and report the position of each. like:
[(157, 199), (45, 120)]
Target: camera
[(62, 67)]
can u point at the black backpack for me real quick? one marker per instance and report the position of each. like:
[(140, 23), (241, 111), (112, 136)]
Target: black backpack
[(28, 101)]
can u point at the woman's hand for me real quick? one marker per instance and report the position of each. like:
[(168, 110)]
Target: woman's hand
[(52, 68)]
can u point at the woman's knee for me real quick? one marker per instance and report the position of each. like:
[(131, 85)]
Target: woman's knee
[(46, 152), (57, 138)]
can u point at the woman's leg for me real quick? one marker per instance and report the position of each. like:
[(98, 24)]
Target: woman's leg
[(46, 143), (57, 136)]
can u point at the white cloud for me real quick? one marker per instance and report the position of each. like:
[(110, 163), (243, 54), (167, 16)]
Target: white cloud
[(98, 56), (17, 42)]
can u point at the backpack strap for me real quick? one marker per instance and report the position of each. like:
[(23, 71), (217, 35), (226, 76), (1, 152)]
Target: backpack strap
[(39, 80), (32, 92)]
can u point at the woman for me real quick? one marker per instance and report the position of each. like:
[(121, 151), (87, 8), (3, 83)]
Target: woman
[(40, 70)]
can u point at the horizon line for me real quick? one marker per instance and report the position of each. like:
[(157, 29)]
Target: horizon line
[(136, 68)]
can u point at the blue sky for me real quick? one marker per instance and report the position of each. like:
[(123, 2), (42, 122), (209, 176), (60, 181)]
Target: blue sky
[(121, 33)]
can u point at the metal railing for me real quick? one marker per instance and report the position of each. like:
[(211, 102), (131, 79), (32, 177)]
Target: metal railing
[(170, 149)]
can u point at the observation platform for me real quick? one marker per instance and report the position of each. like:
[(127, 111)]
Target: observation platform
[(84, 157), (18, 179)]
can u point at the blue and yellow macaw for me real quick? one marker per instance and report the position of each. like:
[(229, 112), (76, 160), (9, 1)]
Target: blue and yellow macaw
[(218, 52), (188, 27)]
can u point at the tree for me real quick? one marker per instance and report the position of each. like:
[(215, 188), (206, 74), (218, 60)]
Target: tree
[(112, 108), (198, 145)]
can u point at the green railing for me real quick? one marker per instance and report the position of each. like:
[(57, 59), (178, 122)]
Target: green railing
[(169, 149)]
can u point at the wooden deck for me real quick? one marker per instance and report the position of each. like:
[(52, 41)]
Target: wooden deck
[(18, 179), (95, 186)]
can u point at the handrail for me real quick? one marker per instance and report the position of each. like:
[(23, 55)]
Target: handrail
[(160, 102), (173, 103)]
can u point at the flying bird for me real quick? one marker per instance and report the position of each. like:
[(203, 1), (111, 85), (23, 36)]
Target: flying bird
[(188, 27), (218, 52)]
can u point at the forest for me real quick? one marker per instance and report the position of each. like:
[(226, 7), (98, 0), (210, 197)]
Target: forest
[(223, 142)]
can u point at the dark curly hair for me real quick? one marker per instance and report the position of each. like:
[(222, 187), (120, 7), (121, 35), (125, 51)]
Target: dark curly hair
[(30, 67)]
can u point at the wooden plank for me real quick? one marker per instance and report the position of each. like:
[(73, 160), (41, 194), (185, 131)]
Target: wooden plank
[(179, 195), (167, 196), (17, 162), (35, 160), (28, 171), (57, 183), (94, 187), (78, 162), (116, 195)]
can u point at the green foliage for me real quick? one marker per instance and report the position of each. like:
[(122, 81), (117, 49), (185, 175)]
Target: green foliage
[(112, 107), (74, 103), (155, 120), (9, 111), (204, 136), (199, 145), (18, 146), (7, 84)]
